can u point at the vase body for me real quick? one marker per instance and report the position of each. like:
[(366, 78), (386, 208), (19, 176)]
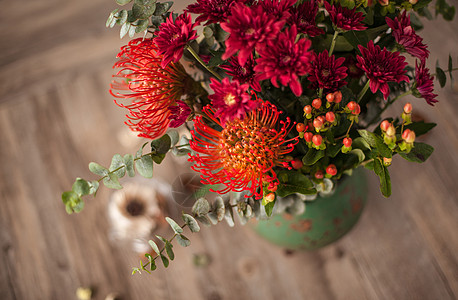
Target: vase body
[(324, 221)]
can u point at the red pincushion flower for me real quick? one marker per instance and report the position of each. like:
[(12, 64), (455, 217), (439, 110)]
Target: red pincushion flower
[(424, 85), (304, 17), (244, 74), (406, 36), (285, 60), (327, 72), (381, 67), (152, 89), (344, 18), (230, 99), (248, 27), (242, 155), (174, 36), (212, 11)]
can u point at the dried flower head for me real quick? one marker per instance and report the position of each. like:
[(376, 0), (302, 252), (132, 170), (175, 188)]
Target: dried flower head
[(242, 155)]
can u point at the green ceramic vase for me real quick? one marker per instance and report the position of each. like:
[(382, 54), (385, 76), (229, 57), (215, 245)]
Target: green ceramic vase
[(324, 221)]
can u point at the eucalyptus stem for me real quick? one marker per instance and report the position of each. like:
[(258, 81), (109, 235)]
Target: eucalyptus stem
[(387, 105), (197, 57), (363, 91), (452, 70)]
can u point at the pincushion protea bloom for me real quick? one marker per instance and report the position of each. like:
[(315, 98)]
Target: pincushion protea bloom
[(406, 36), (327, 72), (344, 18), (152, 89), (424, 85), (174, 36), (242, 155), (381, 67)]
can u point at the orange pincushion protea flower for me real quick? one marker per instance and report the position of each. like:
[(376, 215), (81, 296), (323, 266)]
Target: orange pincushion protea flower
[(152, 89), (243, 154)]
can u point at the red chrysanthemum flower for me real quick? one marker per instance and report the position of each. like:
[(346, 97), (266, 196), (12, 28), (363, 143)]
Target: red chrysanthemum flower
[(352, 68), (304, 17), (327, 72), (212, 11), (174, 36), (244, 74), (285, 60), (178, 114), (152, 89), (344, 18), (406, 36), (248, 27), (242, 156), (381, 67), (231, 99), (277, 8), (424, 84)]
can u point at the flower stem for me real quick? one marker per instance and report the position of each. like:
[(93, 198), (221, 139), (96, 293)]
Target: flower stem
[(388, 104), (333, 43), (363, 91), (197, 57)]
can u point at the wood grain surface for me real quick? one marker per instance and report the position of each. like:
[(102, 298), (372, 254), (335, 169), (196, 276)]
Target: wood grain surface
[(56, 116)]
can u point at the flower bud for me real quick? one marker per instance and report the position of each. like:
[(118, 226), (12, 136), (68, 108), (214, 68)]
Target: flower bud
[(330, 97), (307, 109), (331, 170), (385, 125), (317, 139), (387, 161), (408, 108), (347, 142), (300, 127), (357, 110), (383, 2), (330, 117), (351, 105), (316, 103), (337, 97), (317, 124), (297, 163), (319, 174), (308, 137), (391, 131), (408, 136), (269, 197)]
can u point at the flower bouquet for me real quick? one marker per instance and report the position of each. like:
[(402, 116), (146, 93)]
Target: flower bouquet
[(277, 100)]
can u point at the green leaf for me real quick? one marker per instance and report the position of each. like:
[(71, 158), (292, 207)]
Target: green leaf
[(81, 187), (450, 66), (219, 208), (151, 261), (98, 169), (162, 8), (183, 241), (165, 260), (312, 156), (419, 153), (174, 137), (118, 162), (360, 143), (73, 202), (421, 127), (112, 181), (294, 182), (122, 17), (129, 163), (201, 207), (93, 187), (169, 251), (124, 29), (142, 25), (269, 207), (158, 158), (154, 246), (123, 2), (161, 145), (382, 172), (375, 141), (368, 137), (370, 165), (176, 228), (358, 153), (143, 9), (111, 21), (333, 149), (440, 75), (191, 222), (144, 166)]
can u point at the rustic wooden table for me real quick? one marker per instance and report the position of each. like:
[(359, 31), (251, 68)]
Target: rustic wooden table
[(56, 116)]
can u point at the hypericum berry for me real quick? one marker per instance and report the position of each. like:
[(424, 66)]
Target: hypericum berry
[(385, 125), (317, 140), (347, 142), (413, 2), (331, 170), (408, 136), (408, 108), (391, 131), (357, 110), (269, 197), (307, 109), (300, 127), (330, 97), (317, 123), (316, 103), (330, 117), (297, 163), (272, 187), (337, 96), (384, 2), (387, 161), (351, 105), (308, 137), (319, 174)]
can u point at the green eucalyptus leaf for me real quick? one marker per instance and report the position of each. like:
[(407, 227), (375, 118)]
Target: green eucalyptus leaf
[(158, 158), (419, 153), (169, 251), (117, 162), (111, 21), (204, 220), (123, 2), (165, 260), (176, 228), (112, 181), (312, 156), (183, 241), (93, 187), (201, 207), (124, 29), (219, 208), (98, 169), (161, 145), (174, 137), (383, 174), (450, 66), (142, 25), (129, 163), (162, 8), (144, 166), (191, 222), (143, 9), (440, 75), (81, 187), (154, 246), (208, 32), (122, 17), (72, 201)]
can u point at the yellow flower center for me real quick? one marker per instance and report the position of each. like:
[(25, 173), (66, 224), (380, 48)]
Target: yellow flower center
[(229, 99)]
